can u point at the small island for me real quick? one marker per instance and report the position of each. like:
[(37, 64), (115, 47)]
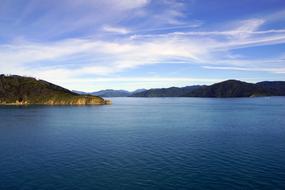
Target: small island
[(19, 90)]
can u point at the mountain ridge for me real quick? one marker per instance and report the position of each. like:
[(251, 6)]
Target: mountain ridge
[(236, 88), (166, 92), (224, 89), (111, 92), (228, 88)]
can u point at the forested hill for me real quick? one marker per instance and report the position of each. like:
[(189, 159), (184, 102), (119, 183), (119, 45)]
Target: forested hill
[(16, 89), (229, 88), (235, 88)]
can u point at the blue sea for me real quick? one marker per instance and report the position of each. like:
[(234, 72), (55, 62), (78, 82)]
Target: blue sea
[(145, 143)]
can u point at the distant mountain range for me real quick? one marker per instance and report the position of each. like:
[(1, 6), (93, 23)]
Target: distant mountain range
[(225, 89), (235, 88), (112, 93), (27, 90), (229, 88), (166, 92)]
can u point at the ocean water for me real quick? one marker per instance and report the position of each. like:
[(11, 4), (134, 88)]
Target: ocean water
[(145, 143)]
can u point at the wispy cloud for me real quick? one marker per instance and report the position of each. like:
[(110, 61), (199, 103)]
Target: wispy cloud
[(119, 30), (106, 57), (272, 70), (70, 40), (56, 19)]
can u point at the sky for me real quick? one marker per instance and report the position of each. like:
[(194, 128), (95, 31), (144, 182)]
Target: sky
[(90, 45)]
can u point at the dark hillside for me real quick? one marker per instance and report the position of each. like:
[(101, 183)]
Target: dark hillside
[(230, 88), (27, 90)]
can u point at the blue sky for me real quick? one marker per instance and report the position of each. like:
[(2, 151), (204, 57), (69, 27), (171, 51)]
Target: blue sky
[(90, 45)]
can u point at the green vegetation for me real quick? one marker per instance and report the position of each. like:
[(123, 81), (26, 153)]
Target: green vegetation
[(229, 88), (27, 90), (166, 92), (235, 88)]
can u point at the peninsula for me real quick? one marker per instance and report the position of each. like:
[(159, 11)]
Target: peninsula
[(19, 90)]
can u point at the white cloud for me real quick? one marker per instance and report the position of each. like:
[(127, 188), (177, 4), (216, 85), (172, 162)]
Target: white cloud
[(111, 4), (129, 53), (129, 4), (119, 30), (246, 27), (55, 19), (271, 70), (51, 61)]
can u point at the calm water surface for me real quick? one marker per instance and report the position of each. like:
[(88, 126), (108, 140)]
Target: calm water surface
[(139, 143)]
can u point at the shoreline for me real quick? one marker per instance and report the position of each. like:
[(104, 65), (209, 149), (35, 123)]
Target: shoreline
[(106, 102)]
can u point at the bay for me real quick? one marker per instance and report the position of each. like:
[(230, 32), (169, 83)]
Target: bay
[(145, 143)]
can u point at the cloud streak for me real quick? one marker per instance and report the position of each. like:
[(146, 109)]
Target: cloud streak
[(273, 70), (133, 52), (119, 30), (157, 37), (105, 58)]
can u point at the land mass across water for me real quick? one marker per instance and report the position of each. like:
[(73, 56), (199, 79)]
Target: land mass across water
[(112, 93), (225, 89), (19, 90)]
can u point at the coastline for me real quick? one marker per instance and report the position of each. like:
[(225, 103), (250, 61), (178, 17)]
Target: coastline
[(105, 102)]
